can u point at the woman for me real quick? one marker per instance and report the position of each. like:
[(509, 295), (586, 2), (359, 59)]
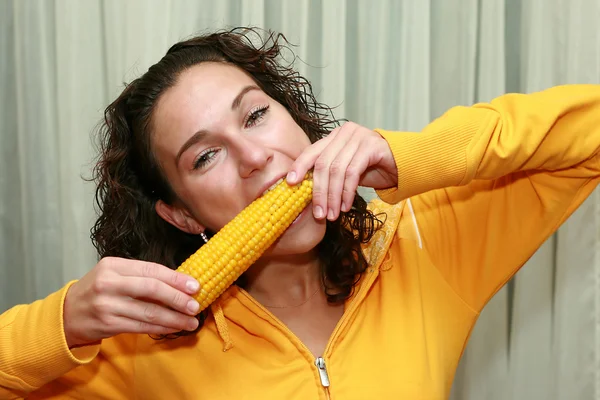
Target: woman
[(352, 302)]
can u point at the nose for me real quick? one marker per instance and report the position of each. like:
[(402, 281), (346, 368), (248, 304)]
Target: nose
[(252, 156)]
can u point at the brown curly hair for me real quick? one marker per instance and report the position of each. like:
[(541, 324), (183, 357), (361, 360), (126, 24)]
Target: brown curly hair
[(130, 181)]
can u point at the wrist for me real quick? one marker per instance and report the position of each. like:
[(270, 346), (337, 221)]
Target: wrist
[(70, 337)]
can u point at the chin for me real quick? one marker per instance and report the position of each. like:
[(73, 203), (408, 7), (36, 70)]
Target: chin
[(300, 239)]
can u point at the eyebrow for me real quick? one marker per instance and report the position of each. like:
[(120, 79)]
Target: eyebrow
[(201, 134), (198, 136), (238, 99)]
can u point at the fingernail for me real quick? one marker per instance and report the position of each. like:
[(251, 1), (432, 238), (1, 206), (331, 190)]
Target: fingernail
[(192, 286), (330, 214), (291, 176), (193, 306), (344, 209), (193, 324), (318, 212)]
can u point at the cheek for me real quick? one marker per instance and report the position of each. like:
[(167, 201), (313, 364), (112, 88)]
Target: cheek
[(302, 141), (287, 135), (296, 141), (214, 203)]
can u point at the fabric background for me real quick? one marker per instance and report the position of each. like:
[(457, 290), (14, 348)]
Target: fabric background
[(383, 63)]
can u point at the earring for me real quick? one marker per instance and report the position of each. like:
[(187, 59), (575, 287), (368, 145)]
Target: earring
[(204, 237)]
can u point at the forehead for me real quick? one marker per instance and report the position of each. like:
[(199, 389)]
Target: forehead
[(203, 91), (208, 80)]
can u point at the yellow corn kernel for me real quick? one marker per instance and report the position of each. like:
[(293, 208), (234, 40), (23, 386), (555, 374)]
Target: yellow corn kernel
[(232, 250)]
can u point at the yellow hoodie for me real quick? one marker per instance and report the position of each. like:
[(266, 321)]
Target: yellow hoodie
[(479, 190)]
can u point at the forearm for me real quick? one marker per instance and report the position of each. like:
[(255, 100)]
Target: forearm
[(33, 349), (552, 130)]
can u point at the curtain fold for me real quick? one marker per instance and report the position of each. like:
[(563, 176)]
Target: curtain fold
[(393, 64)]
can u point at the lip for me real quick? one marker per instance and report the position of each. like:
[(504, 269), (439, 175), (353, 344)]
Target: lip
[(268, 184), (302, 214)]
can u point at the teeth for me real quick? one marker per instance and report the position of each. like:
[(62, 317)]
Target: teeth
[(273, 186)]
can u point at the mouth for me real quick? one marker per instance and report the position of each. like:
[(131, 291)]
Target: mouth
[(272, 186), (306, 210)]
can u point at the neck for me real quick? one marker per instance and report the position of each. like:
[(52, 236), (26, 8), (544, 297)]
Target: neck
[(284, 281)]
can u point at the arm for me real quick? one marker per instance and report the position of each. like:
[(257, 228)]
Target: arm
[(34, 354), (490, 183), (79, 342)]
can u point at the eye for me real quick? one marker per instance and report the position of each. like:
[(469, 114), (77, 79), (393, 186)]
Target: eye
[(255, 116), (205, 158)]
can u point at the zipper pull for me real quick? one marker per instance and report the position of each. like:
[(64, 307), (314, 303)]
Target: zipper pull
[(320, 363)]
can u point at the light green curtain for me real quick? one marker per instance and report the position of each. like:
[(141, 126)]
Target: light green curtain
[(394, 64)]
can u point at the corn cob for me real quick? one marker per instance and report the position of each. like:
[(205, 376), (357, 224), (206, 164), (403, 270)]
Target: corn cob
[(232, 250)]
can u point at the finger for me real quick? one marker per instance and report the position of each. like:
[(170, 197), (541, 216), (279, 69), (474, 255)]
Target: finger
[(337, 179), (323, 170), (354, 171), (158, 291), (307, 158), (177, 280), (154, 315), (127, 325)]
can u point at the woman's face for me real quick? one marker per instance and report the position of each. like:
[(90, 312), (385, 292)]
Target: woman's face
[(221, 142)]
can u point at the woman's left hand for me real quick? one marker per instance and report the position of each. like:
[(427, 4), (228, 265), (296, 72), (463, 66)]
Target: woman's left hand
[(350, 156)]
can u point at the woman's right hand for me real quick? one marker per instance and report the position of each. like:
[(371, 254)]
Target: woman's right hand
[(128, 296)]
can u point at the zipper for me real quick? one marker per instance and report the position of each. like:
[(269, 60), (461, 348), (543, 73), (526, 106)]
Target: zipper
[(323, 375), (320, 363)]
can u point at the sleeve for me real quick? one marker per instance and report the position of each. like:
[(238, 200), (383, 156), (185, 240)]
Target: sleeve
[(491, 182), (36, 363)]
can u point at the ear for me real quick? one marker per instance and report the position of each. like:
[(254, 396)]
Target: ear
[(178, 217)]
